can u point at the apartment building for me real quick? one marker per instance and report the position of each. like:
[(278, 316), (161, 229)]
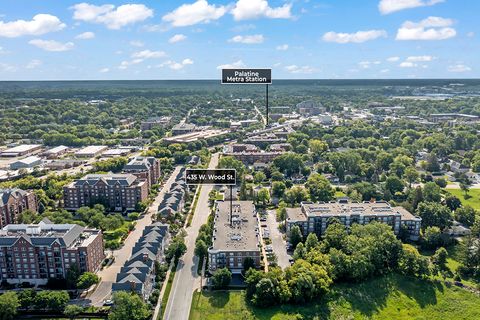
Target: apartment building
[(249, 154), (235, 236), (13, 202), (147, 168), (117, 192), (315, 217), (36, 252), (151, 123)]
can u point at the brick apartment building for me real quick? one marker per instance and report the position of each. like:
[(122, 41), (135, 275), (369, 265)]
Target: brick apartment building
[(249, 154), (13, 202), (315, 217), (34, 253), (117, 192), (147, 168), (235, 236)]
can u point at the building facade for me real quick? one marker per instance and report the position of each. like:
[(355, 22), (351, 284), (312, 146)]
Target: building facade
[(147, 168), (235, 236), (13, 202), (35, 253), (315, 217), (117, 192)]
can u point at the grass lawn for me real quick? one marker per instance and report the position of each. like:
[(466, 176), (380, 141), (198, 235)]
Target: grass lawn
[(473, 201), (339, 194), (390, 297), (166, 294)]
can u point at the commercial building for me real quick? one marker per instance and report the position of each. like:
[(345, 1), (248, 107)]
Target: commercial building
[(55, 152), (27, 163), (195, 136), (13, 202), (117, 192), (183, 128), (235, 236), (310, 108), (440, 117), (315, 217), (138, 273), (265, 140), (90, 151), (37, 252), (64, 164), (117, 152), (20, 150), (151, 123), (147, 168), (250, 154)]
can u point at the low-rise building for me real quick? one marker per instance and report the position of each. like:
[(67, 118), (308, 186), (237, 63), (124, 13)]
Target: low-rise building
[(90, 151), (151, 123), (315, 217), (116, 152), (310, 108), (235, 236), (183, 128), (37, 252), (20, 150), (250, 154), (13, 202), (27, 163), (117, 192), (63, 164), (55, 152)]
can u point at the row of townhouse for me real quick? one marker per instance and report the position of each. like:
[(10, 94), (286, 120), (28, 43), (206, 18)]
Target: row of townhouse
[(174, 200)]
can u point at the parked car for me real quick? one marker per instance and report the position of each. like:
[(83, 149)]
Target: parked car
[(108, 302)]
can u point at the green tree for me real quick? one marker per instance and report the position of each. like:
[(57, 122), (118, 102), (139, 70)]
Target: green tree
[(87, 279), (295, 194), (311, 242), (52, 300), (263, 196), (307, 281), (27, 298), (295, 236), (432, 192), (8, 305), (411, 175), (248, 263), (128, 306), (259, 177), (453, 203), (439, 259), (319, 188), (232, 163), (434, 215), (393, 184), (412, 263), (176, 249), (278, 188), (201, 249), (432, 238), (72, 310), (466, 215), (221, 278)]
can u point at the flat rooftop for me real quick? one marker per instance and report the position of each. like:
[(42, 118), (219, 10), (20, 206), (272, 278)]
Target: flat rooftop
[(22, 148), (309, 209), (91, 149), (238, 234)]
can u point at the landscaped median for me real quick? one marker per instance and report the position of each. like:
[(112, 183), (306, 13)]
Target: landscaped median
[(389, 297)]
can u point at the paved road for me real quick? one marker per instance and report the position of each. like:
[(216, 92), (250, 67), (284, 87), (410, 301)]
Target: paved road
[(109, 274), (278, 243), (186, 279)]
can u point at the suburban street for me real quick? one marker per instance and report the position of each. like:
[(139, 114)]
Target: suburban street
[(109, 274), (186, 279)]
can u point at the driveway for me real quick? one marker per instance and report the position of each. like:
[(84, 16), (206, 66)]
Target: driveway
[(278, 243)]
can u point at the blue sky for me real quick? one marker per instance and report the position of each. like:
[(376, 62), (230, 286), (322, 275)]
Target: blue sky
[(193, 39)]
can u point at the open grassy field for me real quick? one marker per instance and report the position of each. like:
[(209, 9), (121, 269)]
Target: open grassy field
[(390, 297), (473, 201)]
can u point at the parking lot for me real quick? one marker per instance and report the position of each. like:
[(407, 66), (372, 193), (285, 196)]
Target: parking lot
[(278, 243)]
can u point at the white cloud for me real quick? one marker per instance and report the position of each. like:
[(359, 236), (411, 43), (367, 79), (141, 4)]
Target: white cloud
[(283, 47), (233, 65), (176, 65), (407, 64), (420, 58), (125, 64), (252, 39), (299, 69), (148, 54), (33, 64), (357, 37), (393, 59), (254, 9), (368, 64), (52, 45), (136, 43), (104, 70), (390, 6), (384, 70), (459, 68), (40, 24), (85, 36), (197, 12), (187, 61), (177, 38), (113, 18), (431, 28), (7, 67)]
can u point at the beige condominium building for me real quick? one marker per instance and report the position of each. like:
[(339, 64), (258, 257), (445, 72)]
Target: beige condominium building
[(235, 236), (315, 217)]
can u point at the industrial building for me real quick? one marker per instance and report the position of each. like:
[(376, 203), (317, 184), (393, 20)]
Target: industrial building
[(20, 150)]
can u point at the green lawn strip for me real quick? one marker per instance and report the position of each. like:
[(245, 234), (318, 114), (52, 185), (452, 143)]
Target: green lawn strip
[(473, 200), (389, 297), (166, 294)]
